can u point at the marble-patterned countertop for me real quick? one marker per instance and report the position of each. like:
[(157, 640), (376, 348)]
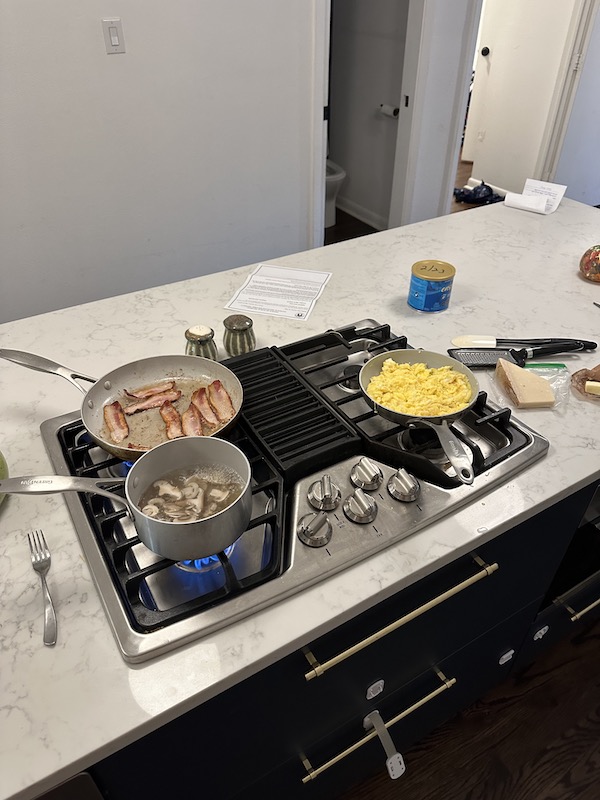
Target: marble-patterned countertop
[(64, 708)]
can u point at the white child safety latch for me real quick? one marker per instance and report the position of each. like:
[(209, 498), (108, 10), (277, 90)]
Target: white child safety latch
[(394, 763)]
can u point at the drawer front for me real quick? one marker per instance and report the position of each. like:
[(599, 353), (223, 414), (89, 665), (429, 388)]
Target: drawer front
[(325, 767), (566, 616), (441, 613)]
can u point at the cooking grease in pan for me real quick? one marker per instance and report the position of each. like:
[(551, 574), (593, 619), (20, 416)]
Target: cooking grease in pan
[(147, 428)]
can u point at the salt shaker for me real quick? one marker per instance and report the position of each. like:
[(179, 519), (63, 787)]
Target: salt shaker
[(200, 342), (239, 335)]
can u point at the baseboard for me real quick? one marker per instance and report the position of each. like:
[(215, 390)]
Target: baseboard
[(473, 182), (363, 214)]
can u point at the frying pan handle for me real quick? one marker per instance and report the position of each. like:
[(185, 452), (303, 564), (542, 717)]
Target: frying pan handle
[(453, 448), (42, 364), (56, 484)]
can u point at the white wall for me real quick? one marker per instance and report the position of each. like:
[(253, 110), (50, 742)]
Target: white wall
[(579, 163), (191, 153), (367, 47)]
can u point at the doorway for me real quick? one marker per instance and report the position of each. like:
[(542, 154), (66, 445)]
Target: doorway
[(525, 76), (407, 55)]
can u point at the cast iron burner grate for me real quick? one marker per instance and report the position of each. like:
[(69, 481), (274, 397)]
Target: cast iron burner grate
[(299, 431), (156, 591)]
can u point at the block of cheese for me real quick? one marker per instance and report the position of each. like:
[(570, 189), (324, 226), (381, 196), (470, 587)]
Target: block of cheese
[(524, 387), (592, 387)]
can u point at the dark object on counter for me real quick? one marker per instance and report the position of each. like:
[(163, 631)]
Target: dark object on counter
[(487, 357), (480, 196), (238, 337), (200, 341)]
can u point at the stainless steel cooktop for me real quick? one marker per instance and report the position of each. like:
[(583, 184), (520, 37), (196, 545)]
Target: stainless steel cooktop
[(319, 506)]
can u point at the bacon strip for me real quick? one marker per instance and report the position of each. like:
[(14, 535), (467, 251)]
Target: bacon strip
[(220, 401), (116, 422), (154, 401), (208, 417), (172, 420), (191, 422), (159, 388)]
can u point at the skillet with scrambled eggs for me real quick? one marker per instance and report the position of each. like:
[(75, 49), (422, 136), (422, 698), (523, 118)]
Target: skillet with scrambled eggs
[(419, 390)]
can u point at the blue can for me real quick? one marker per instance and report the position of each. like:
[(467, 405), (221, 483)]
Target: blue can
[(431, 285)]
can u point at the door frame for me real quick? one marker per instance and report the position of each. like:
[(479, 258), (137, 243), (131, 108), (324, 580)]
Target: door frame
[(428, 55), (566, 88), (319, 81)]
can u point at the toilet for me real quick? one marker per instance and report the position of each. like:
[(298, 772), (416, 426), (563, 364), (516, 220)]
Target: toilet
[(334, 178)]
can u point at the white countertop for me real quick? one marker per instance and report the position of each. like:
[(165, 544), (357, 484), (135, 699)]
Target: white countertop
[(64, 708)]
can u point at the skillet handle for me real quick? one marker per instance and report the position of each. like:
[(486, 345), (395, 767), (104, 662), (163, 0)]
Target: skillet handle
[(56, 484), (42, 364), (453, 448)]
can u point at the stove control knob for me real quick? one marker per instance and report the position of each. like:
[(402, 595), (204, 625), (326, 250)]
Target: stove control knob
[(360, 507), (366, 475), (315, 530), (324, 495), (404, 486)]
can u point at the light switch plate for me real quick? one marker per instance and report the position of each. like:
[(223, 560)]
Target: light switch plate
[(113, 35)]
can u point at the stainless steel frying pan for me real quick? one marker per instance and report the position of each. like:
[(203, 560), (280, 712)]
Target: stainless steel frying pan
[(452, 446), (147, 428)]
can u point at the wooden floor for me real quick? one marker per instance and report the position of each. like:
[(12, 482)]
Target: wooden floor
[(535, 737), (346, 227)]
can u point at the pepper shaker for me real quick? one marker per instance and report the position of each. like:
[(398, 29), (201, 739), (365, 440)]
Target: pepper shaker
[(200, 342), (238, 337)]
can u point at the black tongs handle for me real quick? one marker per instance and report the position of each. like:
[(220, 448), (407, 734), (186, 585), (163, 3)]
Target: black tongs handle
[(552, 349), (585, 345)]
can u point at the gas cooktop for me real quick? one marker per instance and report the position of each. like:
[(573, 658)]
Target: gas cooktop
[(333, 483)]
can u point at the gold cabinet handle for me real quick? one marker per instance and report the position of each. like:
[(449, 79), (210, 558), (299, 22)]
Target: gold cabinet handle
[(314, 772), (565, 599), (317, 669), (577, 615)]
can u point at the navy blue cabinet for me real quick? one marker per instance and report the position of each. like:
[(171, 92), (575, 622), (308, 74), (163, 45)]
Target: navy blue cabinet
[(432, 648)]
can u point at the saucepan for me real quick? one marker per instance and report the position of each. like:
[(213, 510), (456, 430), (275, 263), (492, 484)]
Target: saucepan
[(174, 540), (451, 445), (146, 428)]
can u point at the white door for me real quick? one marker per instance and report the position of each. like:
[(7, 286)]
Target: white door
[(436, 75), (525, 49)]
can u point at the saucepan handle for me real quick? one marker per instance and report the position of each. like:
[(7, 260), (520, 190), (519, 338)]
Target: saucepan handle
[(56, 484), (453, 448), (42, 364)]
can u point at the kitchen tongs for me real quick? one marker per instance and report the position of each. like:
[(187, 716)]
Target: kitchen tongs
[(482, 340), (485, 357)]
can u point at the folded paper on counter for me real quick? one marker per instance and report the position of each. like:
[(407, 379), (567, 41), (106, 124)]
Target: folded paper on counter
[(280, 292), (537, 196)]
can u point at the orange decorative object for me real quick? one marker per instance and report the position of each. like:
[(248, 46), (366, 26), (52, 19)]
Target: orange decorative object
[(589, 265)]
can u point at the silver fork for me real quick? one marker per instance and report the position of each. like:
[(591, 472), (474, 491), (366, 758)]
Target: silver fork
[(40, 558)]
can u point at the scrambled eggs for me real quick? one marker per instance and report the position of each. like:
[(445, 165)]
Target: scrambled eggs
[(419, 390)]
